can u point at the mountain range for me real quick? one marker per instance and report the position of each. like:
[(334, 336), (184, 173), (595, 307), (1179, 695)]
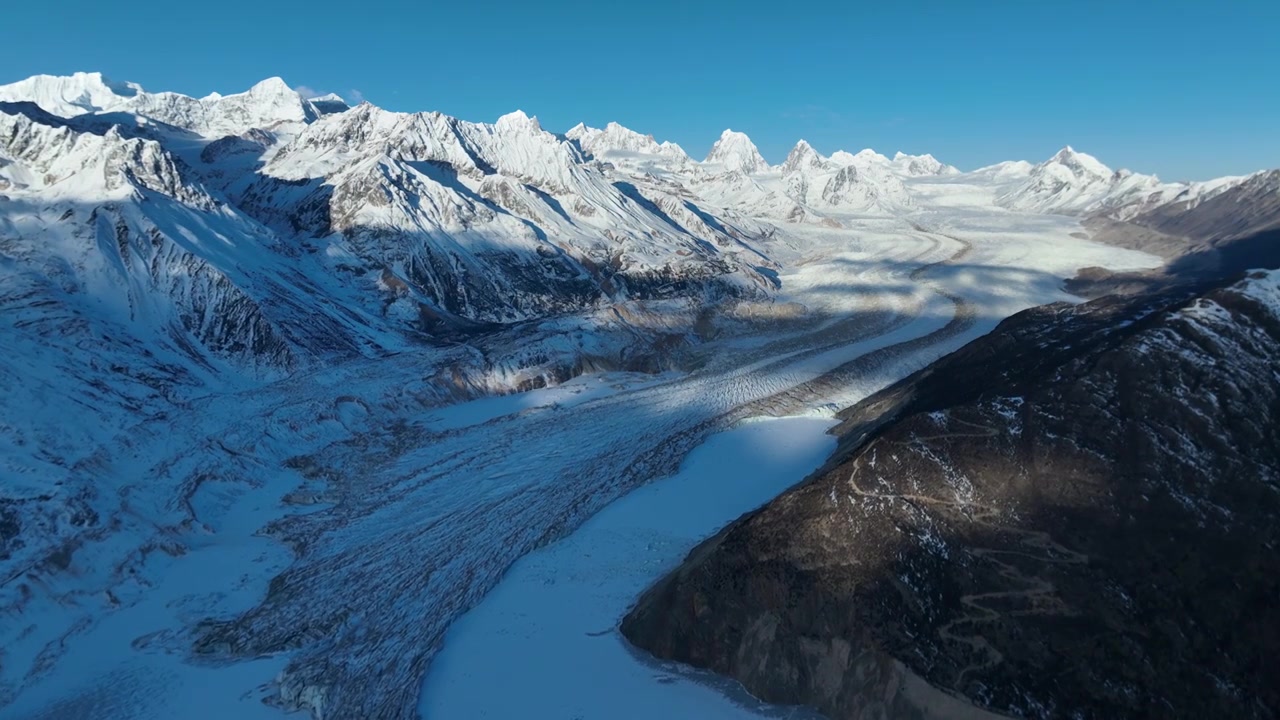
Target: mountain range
[(425, 224), (236, 319)]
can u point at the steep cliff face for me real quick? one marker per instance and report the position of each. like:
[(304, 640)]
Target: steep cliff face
[(1074, 516)]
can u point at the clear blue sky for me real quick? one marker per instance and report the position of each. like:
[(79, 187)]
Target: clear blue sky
[(1189, 90)]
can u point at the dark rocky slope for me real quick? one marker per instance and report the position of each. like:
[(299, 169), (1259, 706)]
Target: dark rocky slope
[(1227, 234), (1074, 516)]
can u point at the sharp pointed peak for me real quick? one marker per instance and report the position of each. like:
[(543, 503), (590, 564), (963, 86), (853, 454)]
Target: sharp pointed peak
[(803, 148), (732, 137), (735, 151), (1078, 161), (801, 156), (274, 85), (1066, 152)]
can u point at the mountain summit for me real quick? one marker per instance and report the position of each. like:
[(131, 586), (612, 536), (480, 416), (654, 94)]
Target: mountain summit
[(735, 151)]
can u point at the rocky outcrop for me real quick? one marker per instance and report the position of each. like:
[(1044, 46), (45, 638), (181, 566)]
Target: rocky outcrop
[(1074, 516)]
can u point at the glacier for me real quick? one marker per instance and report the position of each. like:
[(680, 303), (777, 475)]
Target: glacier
[(290, 385)]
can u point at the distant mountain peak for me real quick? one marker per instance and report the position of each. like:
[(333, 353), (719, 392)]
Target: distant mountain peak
[(735, 151), (70, 95), (1080, 163), (802, 156), (271, 86), (864, 158), (617, 139), (921, 165), (518, 120)]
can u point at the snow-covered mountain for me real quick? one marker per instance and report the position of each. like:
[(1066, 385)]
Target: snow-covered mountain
[(922, 165), (735, 152), (266, 228), (71, 95), (620, 145), (268, 104), (218, 310), (422, 221), (1072, 181), (1076, 183)]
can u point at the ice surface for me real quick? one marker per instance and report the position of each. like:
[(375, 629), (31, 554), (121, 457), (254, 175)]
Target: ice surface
[(544, 642)]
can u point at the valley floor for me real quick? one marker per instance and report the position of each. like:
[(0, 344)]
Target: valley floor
[(323, 533), (544, 642)]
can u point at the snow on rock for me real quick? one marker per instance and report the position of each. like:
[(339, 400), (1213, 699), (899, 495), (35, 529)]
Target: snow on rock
[(70, 95), (1007, 171), (267, 104), (151, 247), (803, 157), (329, 103), (616, 143), (865, 182), (734, 151), (1263, 286), (921, 165), (1075, 182), (452, 207)]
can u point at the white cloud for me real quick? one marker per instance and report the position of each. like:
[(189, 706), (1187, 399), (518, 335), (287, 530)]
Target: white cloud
[(307, 92), (355, 97)]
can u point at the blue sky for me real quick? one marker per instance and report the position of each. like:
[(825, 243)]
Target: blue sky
[(1188, 90)]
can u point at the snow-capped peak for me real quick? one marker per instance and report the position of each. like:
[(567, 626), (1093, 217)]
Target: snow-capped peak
[(921, 165), (617, 143), (735, 151), (1075, 182), (801, 157), (619, 137), (612, 138), (863, 158), (329, 103), (267, 104), (272, 87), (70, 95), (518, 120), (1080, 164)]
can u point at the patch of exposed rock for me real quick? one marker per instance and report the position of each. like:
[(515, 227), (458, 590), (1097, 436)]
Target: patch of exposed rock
[(1074, 516)]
